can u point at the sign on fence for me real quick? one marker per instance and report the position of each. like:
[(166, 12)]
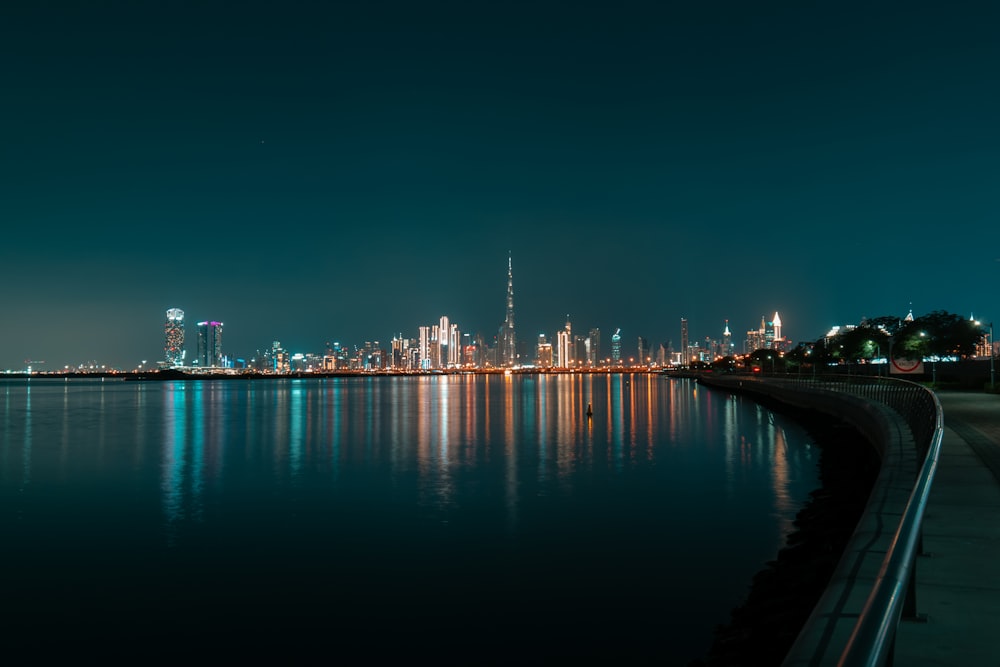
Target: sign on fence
[(906, 366)]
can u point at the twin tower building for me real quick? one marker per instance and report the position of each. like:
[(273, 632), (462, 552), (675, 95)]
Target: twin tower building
[(209, 342)]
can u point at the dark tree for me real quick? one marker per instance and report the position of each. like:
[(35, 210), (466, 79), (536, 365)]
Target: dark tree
[(939, 334), (724, 364), (769, 361), (889, 323), (863, 342), (801, 356), (821, 352)]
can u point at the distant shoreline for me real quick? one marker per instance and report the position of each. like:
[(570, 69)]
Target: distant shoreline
[(174, 375)]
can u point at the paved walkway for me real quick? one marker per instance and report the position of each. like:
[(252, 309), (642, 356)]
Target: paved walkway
[(958, 581)]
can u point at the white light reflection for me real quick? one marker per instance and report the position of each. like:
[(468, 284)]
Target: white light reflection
[(26, 453), (510, 452), (296, 428), (172, 465), (784, 505), (541, 433), (732, 442), (198, 428)]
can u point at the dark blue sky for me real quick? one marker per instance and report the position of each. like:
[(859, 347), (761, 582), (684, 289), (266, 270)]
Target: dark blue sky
[(315, 171)]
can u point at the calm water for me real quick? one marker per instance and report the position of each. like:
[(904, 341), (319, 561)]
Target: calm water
[(463, 519)]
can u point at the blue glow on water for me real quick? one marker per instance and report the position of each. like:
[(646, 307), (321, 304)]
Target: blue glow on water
[(455, 515)]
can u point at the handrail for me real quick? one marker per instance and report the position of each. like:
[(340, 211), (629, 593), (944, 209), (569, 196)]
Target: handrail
[(874, 634), (871, 640)]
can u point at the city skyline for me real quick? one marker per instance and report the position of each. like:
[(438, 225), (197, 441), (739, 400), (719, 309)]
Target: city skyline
[(207, 346), (443, 346), (444, 339), (343, 171)]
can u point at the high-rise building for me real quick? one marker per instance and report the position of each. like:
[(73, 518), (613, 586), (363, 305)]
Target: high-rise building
[(684, 341), (482, 351), (280, 361), (454, 346), (435, 349), (579, 350), (470, 351), (564, 346), (424, 347), (616, 347), (173, 346), (758, 340), (209, 344), (398, 358), (727, 341), (544, 353), (507, 340), (643, 349), (768, 328), (444, 342), (664, 354), (330, 358), (594, 347)]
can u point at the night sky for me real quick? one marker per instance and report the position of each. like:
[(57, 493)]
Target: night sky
[(312, 172)]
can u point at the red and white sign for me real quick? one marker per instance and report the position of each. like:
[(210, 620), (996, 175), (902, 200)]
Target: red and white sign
[(906, 366)]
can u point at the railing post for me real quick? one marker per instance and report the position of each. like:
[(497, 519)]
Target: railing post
[(910, 601)]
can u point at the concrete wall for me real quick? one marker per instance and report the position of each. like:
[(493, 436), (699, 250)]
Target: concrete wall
[(825, 634)]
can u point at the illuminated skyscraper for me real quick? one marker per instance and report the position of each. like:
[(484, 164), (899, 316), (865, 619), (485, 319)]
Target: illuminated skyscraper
[(594, 347), (173, 347), (454, 346), (209, 344), (616, 347), (444, 342), (642, 348), (564, 347), (435, 349), (756, 340), (664, 354), (507, 340), (424, 347), (544, 354), (280, 361), (684, 341)]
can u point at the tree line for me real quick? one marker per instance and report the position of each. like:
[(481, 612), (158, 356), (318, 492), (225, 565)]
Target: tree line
[(937, 334)]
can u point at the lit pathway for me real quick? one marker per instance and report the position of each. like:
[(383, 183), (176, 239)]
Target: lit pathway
[(958, 583)]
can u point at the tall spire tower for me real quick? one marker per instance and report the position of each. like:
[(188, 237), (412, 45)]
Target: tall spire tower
[(508, 340)]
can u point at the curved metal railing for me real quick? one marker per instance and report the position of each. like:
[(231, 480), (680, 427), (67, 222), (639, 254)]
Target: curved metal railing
[(892, 595)]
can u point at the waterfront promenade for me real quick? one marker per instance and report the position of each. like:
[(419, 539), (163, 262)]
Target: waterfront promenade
[(958, 580)]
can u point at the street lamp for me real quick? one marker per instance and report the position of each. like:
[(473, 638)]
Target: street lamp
[(933, 364), (993, 383)]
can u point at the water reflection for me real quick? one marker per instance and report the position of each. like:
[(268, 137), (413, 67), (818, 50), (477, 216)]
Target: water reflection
[(441, 428), (432, 441), (434, 483), (172, 466), (26, 476), (297, 418)]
